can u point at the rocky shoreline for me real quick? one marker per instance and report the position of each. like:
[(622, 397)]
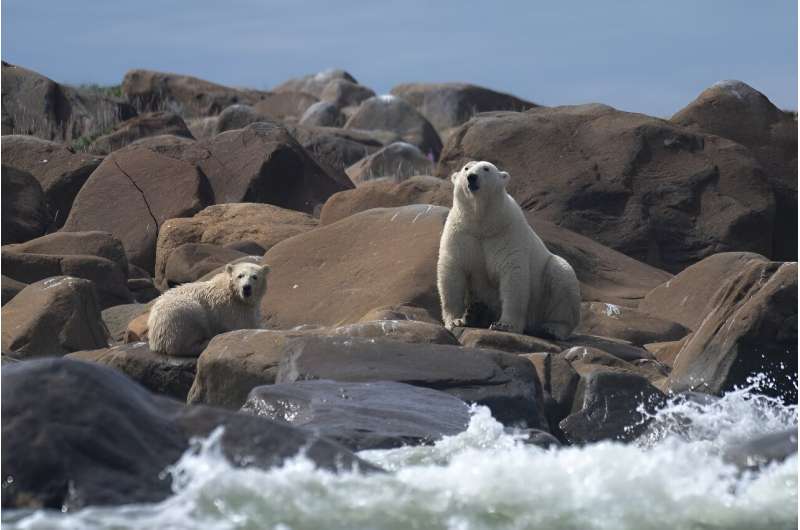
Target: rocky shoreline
[(682, 233)]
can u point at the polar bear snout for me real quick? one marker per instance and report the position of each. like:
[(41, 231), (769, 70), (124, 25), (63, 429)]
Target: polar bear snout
[(247, 290), (472, 182)]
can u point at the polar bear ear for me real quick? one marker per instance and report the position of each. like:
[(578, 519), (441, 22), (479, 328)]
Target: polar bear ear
[(229, 268), (454, 176), (265, 269), (505, 177)]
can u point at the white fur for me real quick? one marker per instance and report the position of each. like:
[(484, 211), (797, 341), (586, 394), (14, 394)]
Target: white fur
[(185, 318), (490, 254)]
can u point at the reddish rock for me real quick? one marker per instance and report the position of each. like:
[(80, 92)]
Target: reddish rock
[(626, 323), (142, 126), (283, 106)]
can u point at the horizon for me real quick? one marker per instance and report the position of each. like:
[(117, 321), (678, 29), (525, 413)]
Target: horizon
[(546, 54)]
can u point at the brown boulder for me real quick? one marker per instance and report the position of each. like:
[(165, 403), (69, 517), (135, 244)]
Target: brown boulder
[(236, 117), (60, 171), (117, 319), (132, 193), (409, 331), (314, 84), (390, 113), (223, 224), (338, 149), (142, 126), (283, 106), (397, 162), (344, 93), (735, 110), (322, 114), (626, 323), (684, 298), (191, 261), (11, 288), (655, 191), (25, 213), (507, 342), (337, 273), (185, 95), (750, 329), (53, 317), (448, 105), (203, 128)]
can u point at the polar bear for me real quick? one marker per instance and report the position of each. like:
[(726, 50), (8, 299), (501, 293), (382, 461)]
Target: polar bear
[(185, 318), (490, 255)]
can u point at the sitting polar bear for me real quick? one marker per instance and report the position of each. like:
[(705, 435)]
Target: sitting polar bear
[(489, 254), (185, 318)]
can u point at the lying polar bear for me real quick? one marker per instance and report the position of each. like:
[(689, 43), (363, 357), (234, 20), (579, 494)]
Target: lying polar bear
[(489, 254), (185, 318)]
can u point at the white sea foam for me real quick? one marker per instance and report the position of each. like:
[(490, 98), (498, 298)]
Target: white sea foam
[(486, 478)]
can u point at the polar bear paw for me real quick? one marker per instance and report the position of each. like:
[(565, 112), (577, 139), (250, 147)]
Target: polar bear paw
[(457, 323), (501, 326)]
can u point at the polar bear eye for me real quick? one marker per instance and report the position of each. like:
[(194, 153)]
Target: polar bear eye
[(254, 277), (241, 276), (486, 168)]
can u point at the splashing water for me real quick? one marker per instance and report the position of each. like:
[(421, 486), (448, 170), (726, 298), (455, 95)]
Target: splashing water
[(673, 477)]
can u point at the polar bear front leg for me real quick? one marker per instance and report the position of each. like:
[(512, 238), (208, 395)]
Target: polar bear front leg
[(514, 297), (452, 284)]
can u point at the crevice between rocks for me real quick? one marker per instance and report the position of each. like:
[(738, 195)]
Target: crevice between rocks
[(144, 197)]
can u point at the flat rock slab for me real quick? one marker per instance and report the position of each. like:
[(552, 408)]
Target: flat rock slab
[(373, 415), (505, 383), (503, 341)]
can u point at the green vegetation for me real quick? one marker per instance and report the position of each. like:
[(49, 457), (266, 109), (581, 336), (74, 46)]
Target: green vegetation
[(109, 90)]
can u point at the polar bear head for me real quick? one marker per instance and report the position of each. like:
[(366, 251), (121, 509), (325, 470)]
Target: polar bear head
[(248, 281), (479, 179)]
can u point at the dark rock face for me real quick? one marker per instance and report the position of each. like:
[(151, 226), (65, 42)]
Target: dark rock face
[(91, 436), (390, 113), (735, 110), (25, 211), (117, 318), (655, 191), (53, 317), (397, 161), (142, 126), (750, 328), (373, 415), (11, 288), (95, 256), (448, 105), (60, 171), (38, 106), (609, 410), (338, 149), (503, 341), (505, 383)]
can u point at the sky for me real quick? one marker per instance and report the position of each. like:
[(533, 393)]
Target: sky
[(644, 56)]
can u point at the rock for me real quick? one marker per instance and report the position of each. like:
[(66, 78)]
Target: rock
[(611, 408), (236, 117), (92, 243), (161, 374), (371, 415), (505, 383), (610, 320), (587, 360), (128, 196), (400, 312), (655, 191), (665, 352), (284, 106), (11, 288), (143, 290), (225, 224), (53, 317), (735, 110), (381, 257), (191, 261), (117, 318), (203, 128), (38, 106), (322, 114), (89, 436), (503, 341), (344, 93), (397, 161), (251, 248), (390, 113), (314, 84), (25, 211), (386, 193), (185, 95), (685, 297), (60, 171), (338, 149), (542, 439), (559, 381), (750, 329), (142, 126), (618, 348), (409, 331), (763, 450), (448, 105)]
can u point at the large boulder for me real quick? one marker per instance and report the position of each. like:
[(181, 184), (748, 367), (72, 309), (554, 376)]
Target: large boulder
[(89, 436), (371, 415), (735, 110), (118, 317), (322, 114), (390, 113), (132, 193), (750, 329), (25, 211), (38, 106), (95, 256), (185, 95), (236, 117), (344, 93), (684, 298), (142, 126), (314, 84), (53, 317), (60, 171), (504, 382), (339, 149), (192, 261), (225, 224), (11, 288), (627, 323), (380, 257), (653, 190), (397, 162), (448, 105), (284, 106)]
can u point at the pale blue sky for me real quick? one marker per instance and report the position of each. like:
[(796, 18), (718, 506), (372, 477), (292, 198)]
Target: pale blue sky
[(643, 56)]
